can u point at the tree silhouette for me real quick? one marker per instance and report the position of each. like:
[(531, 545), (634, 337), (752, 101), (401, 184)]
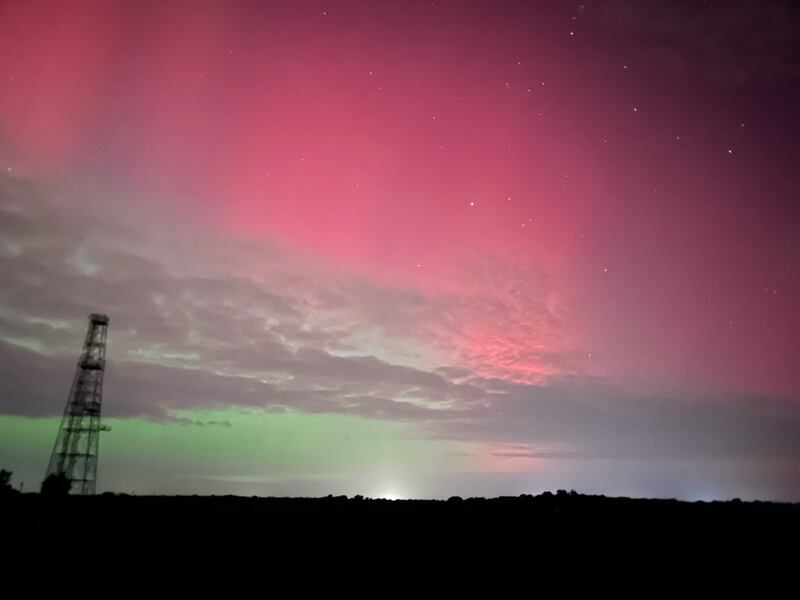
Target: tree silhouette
[(56, 484), (5, 483)]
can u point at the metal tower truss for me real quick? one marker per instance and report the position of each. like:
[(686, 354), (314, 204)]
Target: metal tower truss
[(77, 443)]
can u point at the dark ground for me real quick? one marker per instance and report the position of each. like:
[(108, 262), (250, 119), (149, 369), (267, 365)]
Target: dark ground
[(563, 532)]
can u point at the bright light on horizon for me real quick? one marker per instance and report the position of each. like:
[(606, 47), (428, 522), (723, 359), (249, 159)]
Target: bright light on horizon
[(391, 494)]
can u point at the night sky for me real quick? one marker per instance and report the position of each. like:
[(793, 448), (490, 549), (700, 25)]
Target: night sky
[(407, 249)]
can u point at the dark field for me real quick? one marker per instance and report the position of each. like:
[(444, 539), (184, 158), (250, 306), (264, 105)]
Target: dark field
[(339, 535)]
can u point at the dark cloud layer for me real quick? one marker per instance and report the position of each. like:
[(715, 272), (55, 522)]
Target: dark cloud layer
[(206, 335)]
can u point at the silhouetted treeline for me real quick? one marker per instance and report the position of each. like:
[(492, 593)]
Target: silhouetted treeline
[(6, 488), (56, 484), (564, 530)]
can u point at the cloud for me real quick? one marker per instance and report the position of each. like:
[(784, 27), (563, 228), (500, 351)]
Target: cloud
[(592, 418), (250, 327)]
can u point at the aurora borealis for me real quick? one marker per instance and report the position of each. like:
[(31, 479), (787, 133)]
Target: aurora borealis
[(407, 248)]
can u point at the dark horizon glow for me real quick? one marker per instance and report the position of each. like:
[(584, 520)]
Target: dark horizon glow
[(423, 247)]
